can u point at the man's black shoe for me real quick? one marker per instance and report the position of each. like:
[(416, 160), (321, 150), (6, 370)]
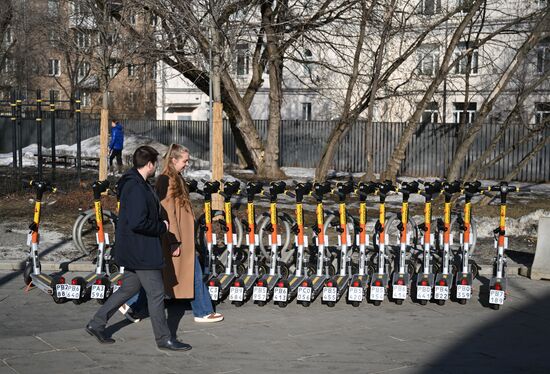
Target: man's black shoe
[(174, 345), (99, 335)]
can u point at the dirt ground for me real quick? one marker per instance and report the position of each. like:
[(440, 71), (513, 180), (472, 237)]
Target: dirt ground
[(60, 211)]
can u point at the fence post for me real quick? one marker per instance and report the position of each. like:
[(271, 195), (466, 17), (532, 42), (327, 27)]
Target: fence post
[(39, 132), (52, 123), (14, 131), (78, 137), (19, 133)]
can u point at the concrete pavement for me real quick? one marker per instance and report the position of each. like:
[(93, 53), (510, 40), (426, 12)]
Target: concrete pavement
[(39, 336)]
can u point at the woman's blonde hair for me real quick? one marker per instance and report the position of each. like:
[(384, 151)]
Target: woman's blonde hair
[(176, 151)]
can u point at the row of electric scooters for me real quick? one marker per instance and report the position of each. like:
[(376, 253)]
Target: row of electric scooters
[(363, 270)]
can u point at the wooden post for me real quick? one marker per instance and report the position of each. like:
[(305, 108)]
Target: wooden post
[(104, 137), (217, 123)]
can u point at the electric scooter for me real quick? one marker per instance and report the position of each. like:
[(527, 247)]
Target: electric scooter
[(444, 278), (464, 278), (241, 289), (498, 283), (359, 282), (379, 280), (54, 286), (96, 285), (425, 280), (286, 289), (219, 285), (338, 285), (263, 289), (312, 286), (402, 277)]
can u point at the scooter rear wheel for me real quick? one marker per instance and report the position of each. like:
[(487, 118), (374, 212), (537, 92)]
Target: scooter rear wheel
[(306, 304), (440, 302), (399, 301), (423, 302), (331, 304), (462, 301), (282, 304), (376, 302), (355, 304)]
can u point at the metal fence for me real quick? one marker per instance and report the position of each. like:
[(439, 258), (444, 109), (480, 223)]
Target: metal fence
[(429, 153)]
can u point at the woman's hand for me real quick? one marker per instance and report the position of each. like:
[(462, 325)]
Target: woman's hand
[(176, 252)]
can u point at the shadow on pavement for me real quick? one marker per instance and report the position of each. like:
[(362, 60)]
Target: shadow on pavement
[(515, 341)]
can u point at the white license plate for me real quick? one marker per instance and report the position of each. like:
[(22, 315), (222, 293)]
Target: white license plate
[(399, 292), (441, 293), (236, 294), (329, 293), (463, 292), (214, 292), (115, 288), (496, 297), (259, 293), (423, 292), (304, 294), (280, 294), (355, 294), (377, 293), (98, 291), (69, 291)]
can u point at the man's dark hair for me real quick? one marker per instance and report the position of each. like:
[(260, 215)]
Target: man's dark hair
[(143, 155)]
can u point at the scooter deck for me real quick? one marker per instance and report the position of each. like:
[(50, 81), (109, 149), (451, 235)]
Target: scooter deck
[(341, 285), (225, 282), (294, 282), (43, 282)]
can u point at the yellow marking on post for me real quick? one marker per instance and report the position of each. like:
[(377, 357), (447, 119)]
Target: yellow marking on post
[(207, 212), (319, 213), (228, 213), (299, 214), (502, 215), (447, 212), (363, 213), (273, 213), (97, 206), (382, 213), (405, 213), (467, 212)]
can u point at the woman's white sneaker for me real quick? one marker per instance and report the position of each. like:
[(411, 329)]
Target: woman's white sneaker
[(212, 317)]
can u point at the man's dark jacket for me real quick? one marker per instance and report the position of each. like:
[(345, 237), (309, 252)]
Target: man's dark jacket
[(140, 225)]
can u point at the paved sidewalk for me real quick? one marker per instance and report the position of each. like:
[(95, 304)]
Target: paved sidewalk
[(37, 335)]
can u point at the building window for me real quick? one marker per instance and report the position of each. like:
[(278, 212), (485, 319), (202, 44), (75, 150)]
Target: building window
[(306, 111), (131, 71), (83, 70), (53, 38), (542, 3), (53, 8), (83, 40), (54, 69), (242, 59), (428, 59), (85, 100), (429, 7), (154, 20), (132, 100), (154, 71), (308, 66), (463, 113), (79, 8), (462, 66), (133, 19), (543, 59), (430, 114), (542, 113)]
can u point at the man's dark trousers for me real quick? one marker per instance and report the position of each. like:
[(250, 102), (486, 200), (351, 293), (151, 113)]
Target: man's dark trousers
[(151, 281)]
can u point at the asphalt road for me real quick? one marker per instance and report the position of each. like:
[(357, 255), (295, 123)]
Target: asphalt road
[(39, 336)]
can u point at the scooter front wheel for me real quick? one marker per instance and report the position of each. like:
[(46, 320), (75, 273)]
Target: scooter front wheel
[(27, 274)]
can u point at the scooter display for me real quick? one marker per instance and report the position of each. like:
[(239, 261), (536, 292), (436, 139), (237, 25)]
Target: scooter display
[(287, 289), (425, 280), (337, 286), (54, 286), (263, 289), (241, 289)]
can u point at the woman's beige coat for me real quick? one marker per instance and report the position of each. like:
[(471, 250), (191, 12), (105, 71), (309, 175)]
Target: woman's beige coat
[(178, 271)]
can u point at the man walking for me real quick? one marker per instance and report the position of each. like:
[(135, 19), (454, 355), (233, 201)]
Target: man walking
[(139, 250), (116, 145)]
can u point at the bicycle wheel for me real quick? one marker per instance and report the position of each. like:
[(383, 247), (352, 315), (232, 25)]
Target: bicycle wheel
[(86, 229), (284, 223)]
